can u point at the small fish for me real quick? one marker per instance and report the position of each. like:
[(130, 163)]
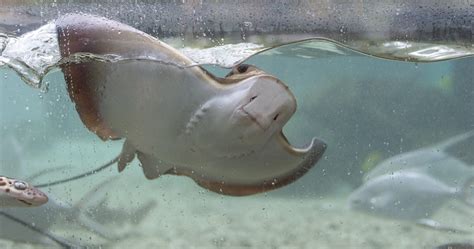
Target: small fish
[(17, 193), (408, 195)]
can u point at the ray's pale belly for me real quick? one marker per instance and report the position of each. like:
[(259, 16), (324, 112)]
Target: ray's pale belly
[(151, 104)]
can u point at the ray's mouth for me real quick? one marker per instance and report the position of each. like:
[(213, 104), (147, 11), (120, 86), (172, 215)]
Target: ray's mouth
[(25, 202), (249, 116)]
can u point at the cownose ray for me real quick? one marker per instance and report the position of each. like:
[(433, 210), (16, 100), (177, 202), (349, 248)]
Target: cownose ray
[(177, 118), (432, 159), (18, 193), (409, 195)]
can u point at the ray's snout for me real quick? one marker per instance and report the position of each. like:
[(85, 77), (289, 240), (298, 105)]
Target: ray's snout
[(269, 101), (37, 198), (28, 194)]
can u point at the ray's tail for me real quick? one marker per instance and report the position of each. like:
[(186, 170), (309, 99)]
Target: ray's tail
[(88, 173), (61, 241)]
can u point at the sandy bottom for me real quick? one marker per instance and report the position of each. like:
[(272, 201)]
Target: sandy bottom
[(187, 216)]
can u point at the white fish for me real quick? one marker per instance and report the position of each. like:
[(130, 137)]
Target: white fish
[(432, 160), (407, 195)]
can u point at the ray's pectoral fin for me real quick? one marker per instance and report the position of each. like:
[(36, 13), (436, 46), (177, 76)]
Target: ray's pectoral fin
[(126, 156), (152, 167), (279, 164)]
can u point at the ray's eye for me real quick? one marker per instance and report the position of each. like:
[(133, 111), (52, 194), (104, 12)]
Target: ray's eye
[(19, 185), (276, 116), (242, 68), (254, 97)]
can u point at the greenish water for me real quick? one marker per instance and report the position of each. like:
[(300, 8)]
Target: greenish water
[(365, 108)]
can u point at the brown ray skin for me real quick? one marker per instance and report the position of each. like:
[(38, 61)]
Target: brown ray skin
[(95, 35), (73, 38), (99, 36), (234, 189)]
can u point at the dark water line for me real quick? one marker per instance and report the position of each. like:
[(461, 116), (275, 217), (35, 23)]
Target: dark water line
[(88, 173)]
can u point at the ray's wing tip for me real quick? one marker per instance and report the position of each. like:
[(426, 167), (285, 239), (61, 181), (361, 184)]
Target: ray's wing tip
[(317, 145), (316, 150)]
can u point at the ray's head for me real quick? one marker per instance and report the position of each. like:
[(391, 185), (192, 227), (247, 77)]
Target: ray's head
[(359, 201), (18, 193), (247, 113), (371, 197), (262, 105)]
